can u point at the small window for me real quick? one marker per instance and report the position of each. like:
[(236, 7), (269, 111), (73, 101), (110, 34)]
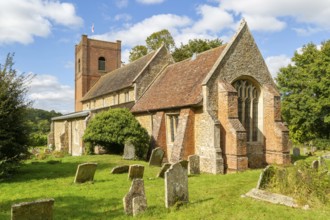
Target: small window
[(126, 96), (79, 67), (114, 99), (101, 64), (173, 121)]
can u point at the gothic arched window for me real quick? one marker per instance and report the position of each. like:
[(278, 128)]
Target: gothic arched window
[(248, 96), (101, 64)]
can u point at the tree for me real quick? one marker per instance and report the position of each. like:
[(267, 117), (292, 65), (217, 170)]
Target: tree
[(153, 42), (194, 46), (115, 127), (305, 90), (13, 126), (137, 52)]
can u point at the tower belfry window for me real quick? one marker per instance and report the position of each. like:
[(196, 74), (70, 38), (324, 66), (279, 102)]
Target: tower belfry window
[(101, 64), (79, 66), (248, 96)]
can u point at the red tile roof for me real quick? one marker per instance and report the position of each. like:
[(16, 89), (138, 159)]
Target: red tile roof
[(179, 84)]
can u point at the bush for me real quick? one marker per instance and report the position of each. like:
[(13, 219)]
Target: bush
[(8, 166), (115, 127), (322, 144)]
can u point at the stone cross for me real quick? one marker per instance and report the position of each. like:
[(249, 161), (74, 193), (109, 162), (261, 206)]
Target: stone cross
[(135, 171), (164, 168), (193, 164), (120, 169), (296, 152), (36, 210), (156, 157), (176, 185), (85, 172), (129, 151), (135, 200)]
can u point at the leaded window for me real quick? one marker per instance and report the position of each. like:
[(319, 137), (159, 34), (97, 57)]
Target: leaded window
[(248, 96), (101, 64)]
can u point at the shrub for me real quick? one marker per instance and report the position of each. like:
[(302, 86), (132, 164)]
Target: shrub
[(322, 144), (8, 166), (115, 127)]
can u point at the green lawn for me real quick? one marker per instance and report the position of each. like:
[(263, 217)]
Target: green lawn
[(211, 196)]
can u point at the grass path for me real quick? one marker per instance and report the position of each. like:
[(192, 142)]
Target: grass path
[(211, 196)]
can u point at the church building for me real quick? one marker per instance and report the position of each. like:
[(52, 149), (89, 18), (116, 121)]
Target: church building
[(221, 104)]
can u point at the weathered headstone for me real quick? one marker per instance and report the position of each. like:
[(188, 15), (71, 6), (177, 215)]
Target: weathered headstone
[(37, 210), (156, 157), (265, 176), (176, 185), (135, 171), (85, 172), (315, 164), (136, 191), (164, 168), (305, 150), (184, 164), (120, 169), (194, 164), (129, 151), (296, 152), (327, 156), (139, 205), (313, 149)]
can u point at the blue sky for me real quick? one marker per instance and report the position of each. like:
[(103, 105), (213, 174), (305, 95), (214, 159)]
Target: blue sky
[(42, 34)]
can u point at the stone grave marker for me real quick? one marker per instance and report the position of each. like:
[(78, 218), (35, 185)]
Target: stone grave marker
[(135, 171), (322, 162), (120, 169), (296, 152), (135, 200), (315, 164), (156, 157), (265, 176), (164, 168), (176, 185), (129, 151), (305, 150), (85, 172), (193, 164), (37, 210)]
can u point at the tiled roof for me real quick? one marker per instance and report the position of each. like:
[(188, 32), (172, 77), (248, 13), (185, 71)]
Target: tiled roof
[(118, 79), (180, 83)]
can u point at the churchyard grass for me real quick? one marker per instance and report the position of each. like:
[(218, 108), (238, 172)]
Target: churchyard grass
[(210, 196)]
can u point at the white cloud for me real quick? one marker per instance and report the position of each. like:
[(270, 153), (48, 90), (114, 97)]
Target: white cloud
[(122, 3), (274, 63), (21, 21), (123, 17), (269, 15), (149, 2), (48, 93)]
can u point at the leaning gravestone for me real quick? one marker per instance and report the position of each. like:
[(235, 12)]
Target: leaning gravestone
[(120, 169), (296, 152), (265, 176), (37, 210), (156, 158), (164, 168), (135, 171), (315, 164), (85, 172), (135, 200), (193, 164), (129, 151), (176, 185)]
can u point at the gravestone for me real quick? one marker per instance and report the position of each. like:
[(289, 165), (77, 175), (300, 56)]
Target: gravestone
[(120, 169), (156, 157), (313, 149), (305, 150), (135, 171), (315, 164), (296, 152), (193, 164), (85, 172), (322, 162), (140, 203), (327, 156), (265, 176), (164, 168), (184, 164), (37, 210), (176, 185), (129, 151)]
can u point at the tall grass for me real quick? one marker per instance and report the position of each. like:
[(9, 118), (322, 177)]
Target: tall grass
[(210, 196)]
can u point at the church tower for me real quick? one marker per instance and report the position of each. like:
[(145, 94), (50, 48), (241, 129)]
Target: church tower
[(93, 58)]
